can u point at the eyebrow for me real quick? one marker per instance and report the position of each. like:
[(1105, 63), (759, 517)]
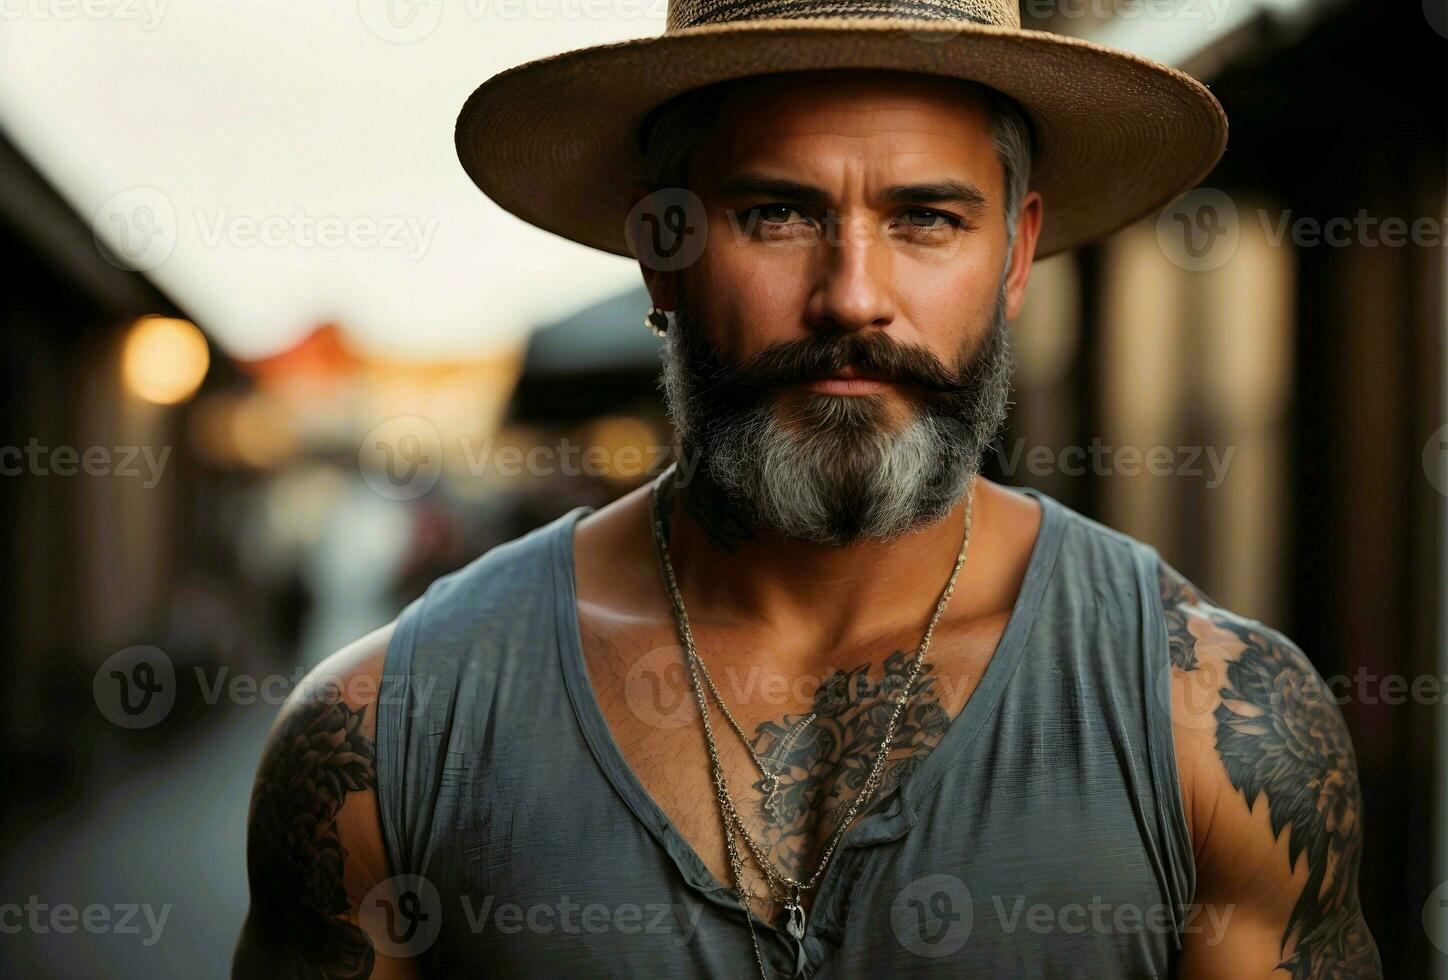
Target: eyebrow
[(945, 190)]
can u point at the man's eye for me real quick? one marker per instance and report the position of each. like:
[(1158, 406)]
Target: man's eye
[(932, 220), (775, 213)]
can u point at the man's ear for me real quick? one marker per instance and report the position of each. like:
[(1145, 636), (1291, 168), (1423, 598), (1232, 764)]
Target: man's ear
[(660, 286), (659, 283), (1023, 251)]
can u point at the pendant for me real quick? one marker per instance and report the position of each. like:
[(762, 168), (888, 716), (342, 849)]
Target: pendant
[(794, 909), (771, 787)]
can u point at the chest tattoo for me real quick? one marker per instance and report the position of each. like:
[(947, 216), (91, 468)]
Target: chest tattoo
[(823, 756)]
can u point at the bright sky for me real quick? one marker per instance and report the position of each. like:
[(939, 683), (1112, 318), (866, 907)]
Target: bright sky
[(273, 164)]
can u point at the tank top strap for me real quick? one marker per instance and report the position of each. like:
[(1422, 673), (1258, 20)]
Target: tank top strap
[(453, 677)]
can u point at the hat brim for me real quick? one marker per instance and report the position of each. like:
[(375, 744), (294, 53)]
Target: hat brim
[(1117, 136)]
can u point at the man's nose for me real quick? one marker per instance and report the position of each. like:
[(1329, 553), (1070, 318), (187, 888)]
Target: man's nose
[(853, 289)]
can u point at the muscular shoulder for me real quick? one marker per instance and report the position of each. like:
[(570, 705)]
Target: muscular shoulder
[(1243, 693), (491, 586), (314, 838), (1270, 783)]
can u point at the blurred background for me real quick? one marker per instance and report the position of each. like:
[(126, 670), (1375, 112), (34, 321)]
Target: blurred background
[(271, 365)]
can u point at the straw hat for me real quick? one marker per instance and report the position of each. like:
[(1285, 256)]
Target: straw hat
[(555, 141)]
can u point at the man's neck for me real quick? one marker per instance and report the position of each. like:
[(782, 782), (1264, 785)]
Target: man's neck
[(732, 572)]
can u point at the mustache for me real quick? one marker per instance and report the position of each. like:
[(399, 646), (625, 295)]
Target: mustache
[(823, 355)]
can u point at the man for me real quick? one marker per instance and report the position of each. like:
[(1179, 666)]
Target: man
[(820, 700)]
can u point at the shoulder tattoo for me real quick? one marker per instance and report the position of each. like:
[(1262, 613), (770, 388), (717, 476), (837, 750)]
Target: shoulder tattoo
[(1283, 744), (298, 924)]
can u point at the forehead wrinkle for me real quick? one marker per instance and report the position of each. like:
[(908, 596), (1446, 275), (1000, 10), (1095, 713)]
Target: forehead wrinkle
[(772, 126), (821, 145), (739, 111), (892, 169), (759, 133), (772, 148)]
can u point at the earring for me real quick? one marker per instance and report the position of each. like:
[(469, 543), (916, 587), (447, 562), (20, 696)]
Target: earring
[(659, 321)]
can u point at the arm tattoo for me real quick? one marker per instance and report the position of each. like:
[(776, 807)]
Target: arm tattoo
[(1177, 595), (298, 926), (1282, 740)]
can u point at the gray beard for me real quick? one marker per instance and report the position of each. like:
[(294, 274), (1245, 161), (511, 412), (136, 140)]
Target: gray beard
[(840, 470)]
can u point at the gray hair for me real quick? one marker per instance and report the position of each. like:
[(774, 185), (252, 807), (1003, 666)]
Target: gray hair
[(836, 470), (671, 132)]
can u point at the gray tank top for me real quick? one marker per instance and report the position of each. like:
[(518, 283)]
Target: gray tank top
[(1044, 835)]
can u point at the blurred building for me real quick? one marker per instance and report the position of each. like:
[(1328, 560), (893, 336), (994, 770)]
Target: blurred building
[(83, 538), (1300, 328), (588, 399)]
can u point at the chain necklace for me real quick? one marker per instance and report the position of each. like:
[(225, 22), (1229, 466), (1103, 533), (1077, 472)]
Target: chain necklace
[(775, 879), (771, 776)]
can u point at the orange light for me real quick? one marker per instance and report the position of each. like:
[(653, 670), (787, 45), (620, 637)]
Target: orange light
[(164, 359)]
